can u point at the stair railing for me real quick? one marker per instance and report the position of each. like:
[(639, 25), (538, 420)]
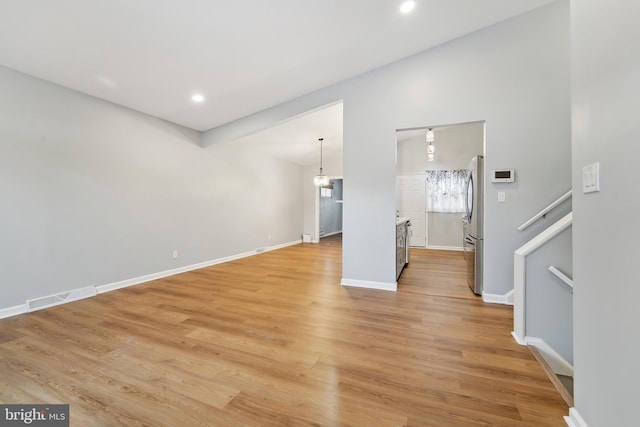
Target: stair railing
[(545, 211), (519, 272), (560, 275)]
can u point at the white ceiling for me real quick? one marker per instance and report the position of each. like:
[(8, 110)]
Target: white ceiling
[(243, 56), (297, 140)]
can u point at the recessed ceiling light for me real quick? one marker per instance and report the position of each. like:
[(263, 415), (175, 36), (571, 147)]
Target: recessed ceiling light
[(407, 6), (197, 98)]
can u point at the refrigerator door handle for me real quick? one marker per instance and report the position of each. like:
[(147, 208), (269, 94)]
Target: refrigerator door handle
[(466, 204)]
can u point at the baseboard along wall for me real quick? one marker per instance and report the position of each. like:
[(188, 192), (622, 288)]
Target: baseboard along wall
[(330, 234), (64, 297), (370, 285), (506, 299), (557, 363), (446, 248), (574, 419)]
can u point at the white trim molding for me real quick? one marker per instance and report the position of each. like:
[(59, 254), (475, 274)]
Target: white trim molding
[(13, 311), (162, 274), (446, 248), (574, 419), (546, 210), (506, 299), (75, 294), (154, 276), (282, 245), (519, 270), (557, 363), (331, 234), (560, 275), (517, 339), (383, 286)]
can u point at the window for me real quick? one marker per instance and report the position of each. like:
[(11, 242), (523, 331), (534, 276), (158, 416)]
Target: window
[(326, 192), (445, 190)]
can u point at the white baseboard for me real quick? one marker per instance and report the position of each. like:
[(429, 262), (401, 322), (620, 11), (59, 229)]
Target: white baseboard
[(518, 339), (154, 276), (445, 248), (574, 419), (331, 234), (370, 285), (282, 245), (557, 363), (13, 311), (20, 309), (506, 299)]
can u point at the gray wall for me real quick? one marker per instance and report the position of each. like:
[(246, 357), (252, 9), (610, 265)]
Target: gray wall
[(93, 193), (445, 230), (514, 75), (606, 102)]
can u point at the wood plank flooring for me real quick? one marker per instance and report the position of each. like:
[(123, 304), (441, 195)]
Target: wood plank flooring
[(273, 340)]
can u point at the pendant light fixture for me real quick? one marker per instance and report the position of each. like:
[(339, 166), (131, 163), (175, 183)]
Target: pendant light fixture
[(321, 179), (431, 149)]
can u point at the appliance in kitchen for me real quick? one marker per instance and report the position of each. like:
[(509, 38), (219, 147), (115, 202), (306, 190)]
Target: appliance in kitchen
[(472, 223)]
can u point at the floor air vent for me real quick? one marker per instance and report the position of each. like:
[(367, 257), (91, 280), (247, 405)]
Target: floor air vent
[(61, 298)]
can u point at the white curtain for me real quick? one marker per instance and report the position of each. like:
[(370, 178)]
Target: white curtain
[(445, 190)]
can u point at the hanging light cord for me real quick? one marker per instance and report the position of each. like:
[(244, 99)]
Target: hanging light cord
[(321, 139)]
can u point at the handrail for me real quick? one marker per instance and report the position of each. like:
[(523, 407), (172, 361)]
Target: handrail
[(560, 275), (546, 210), (519, 272)]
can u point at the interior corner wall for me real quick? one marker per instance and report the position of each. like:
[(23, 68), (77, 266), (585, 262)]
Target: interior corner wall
[(513, 75), (605, 129), (94, 193)]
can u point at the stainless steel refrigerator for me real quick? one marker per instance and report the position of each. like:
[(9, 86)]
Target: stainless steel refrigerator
[(472, 224)]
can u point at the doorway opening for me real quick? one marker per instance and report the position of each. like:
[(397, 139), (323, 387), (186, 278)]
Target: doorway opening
[(294, 142), (430, 181), (330, 209)]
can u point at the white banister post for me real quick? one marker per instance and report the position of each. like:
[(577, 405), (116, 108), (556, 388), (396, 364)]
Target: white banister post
[(519, 274)]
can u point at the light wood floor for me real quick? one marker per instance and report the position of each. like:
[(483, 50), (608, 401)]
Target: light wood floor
[(273, 340)]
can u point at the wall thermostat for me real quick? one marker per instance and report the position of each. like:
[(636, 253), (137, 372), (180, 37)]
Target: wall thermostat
[(503, 175)]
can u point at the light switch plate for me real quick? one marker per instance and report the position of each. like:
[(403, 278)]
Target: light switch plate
[(502, 197), (591, 178)]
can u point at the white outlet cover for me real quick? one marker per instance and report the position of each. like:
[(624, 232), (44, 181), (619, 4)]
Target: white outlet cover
[(591, 178), (502, 197)]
